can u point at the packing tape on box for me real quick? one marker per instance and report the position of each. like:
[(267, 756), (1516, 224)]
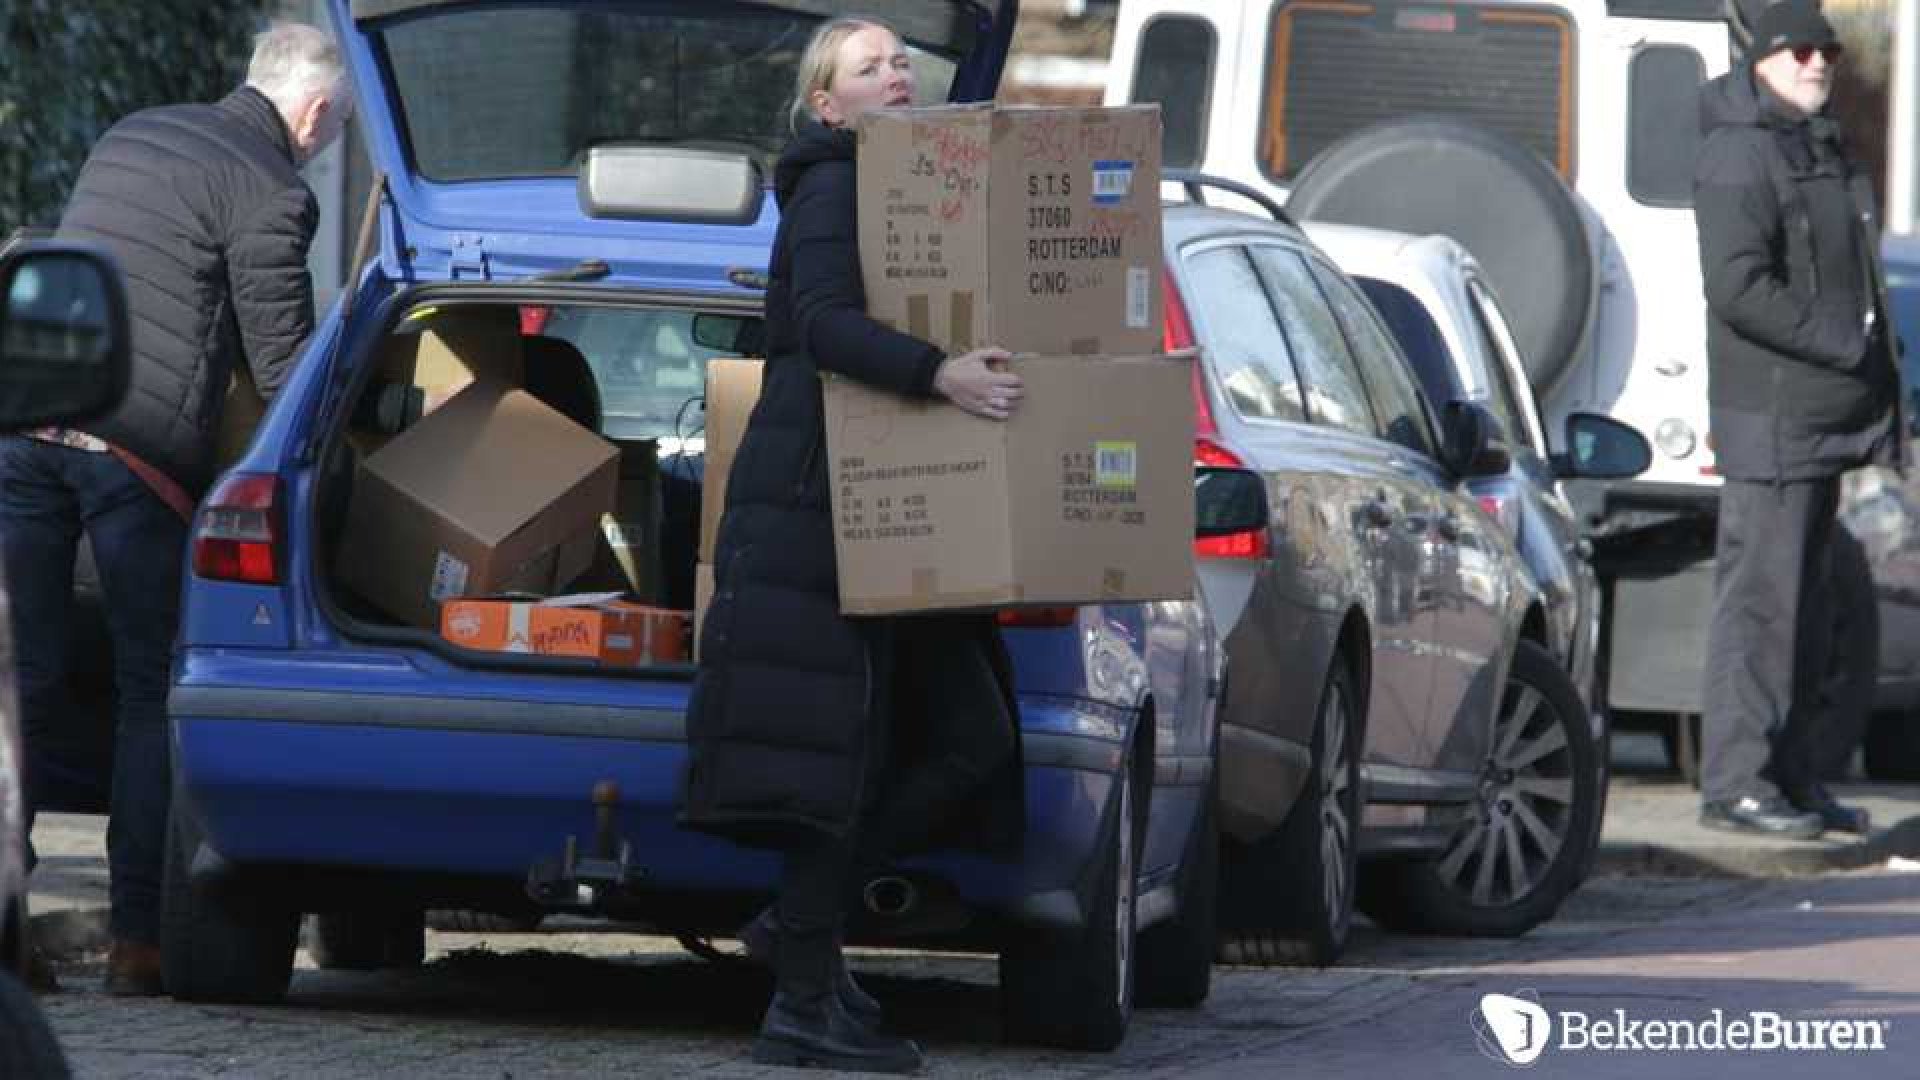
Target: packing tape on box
[(519, 629), (923, 601), (960, 322), (920, 316)]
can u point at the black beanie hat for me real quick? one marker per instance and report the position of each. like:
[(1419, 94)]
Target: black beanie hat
[(1788, 23)]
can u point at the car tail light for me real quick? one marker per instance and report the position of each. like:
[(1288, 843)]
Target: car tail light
[(1037, 618), (1503, 509), (533, 320), (1176, 333), (1251, 544), (1208, 452), (237, 537)]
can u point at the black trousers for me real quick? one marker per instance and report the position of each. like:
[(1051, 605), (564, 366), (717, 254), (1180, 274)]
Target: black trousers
[(1770, 638), (950, 733)]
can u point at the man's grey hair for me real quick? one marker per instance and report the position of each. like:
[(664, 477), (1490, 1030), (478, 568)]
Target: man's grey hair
[(292, 62)]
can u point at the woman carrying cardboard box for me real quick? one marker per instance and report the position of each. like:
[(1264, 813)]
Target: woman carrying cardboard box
[(795, 706)]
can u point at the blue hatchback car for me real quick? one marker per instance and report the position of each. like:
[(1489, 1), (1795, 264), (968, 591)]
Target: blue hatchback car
[(586, 173)]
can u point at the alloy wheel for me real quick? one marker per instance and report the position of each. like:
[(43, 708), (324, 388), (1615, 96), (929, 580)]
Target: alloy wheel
[(1336, 823), (1523, 808)]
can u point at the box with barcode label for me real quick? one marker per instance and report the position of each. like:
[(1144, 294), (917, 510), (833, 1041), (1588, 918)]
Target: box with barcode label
[(1084, 496), (1033, 228)]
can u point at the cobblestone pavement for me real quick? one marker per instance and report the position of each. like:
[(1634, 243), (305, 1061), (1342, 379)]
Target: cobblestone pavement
[(590, 1003)]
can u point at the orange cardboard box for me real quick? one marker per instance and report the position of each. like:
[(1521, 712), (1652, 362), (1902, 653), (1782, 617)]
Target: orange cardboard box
[(593, 626)]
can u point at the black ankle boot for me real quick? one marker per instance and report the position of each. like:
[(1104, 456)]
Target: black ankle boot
[(819, 1033), (762, 940)]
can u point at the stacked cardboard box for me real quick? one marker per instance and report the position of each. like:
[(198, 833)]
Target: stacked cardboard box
[(591, 626), (461, 505), (1038, 231)]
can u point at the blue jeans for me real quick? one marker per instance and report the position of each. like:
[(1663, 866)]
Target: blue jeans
[(48, 495)]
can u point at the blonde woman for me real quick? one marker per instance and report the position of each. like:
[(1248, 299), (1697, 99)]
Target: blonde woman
[(794, 703)]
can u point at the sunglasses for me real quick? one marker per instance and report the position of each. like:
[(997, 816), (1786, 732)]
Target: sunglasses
[(1803, 54)]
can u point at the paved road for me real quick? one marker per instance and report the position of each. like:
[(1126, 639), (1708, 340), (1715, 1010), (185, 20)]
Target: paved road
[(594, 1004)]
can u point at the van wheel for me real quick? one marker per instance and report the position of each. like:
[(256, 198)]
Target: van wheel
[(1176, 956), (367, 940), (27, 1045), (1074, 991), (226, 949), (1290, 896), (1518, 854)]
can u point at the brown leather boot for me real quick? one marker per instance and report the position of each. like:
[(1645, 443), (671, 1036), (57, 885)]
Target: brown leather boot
[(133, 970)]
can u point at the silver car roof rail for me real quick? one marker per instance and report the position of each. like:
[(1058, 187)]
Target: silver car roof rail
[(1196, 182)]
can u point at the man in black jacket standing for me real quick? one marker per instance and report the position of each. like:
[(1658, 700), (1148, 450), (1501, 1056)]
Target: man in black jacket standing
[(205, 211), (1803, 387)]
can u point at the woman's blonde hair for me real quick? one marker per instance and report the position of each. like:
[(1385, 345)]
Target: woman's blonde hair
[(816, 70)]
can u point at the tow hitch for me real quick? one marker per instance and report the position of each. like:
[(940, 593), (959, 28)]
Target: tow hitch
[(606, 876)]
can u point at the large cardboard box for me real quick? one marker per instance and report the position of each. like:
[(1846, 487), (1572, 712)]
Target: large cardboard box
[(591, 626), (627, 556), (1084, 496), (733, 386), (1034, 229), (492, 493), (442, 350)]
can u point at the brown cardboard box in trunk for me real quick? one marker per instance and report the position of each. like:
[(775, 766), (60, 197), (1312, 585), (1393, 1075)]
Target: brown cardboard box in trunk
[(626, 557), (492, 493), (1085, 496), (1034, 229), (453, 347), (732, 388)]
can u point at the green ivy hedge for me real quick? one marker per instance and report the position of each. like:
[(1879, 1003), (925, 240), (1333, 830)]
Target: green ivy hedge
[(69, 70)]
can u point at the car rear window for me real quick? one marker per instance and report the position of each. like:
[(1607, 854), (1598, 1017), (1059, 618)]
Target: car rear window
[(511, 92), (1175, 69), (1663, 85), (1340, 65)]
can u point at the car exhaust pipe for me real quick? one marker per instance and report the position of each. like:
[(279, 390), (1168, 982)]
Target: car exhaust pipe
[(891, 896)]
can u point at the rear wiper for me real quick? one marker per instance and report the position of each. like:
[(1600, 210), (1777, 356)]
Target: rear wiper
[(584, 270)]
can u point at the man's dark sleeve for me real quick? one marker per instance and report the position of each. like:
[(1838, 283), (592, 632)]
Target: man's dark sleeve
[(1739, 220), (829, 301), (272, 290)]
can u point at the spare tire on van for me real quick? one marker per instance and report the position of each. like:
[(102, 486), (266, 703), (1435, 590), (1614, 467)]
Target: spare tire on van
[(1493, 195)]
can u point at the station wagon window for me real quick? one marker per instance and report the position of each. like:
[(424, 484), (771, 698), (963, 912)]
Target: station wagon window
[(1504, 355), (1335, 395), (1397, 402), (1175, 68), (1245, 345), (505, 92), (1663, 97)]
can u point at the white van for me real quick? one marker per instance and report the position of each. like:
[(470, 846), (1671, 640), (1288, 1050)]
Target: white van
[(1577, 206)]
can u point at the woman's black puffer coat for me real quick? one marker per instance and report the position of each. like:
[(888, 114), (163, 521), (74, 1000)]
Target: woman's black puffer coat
[(787, 723)]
